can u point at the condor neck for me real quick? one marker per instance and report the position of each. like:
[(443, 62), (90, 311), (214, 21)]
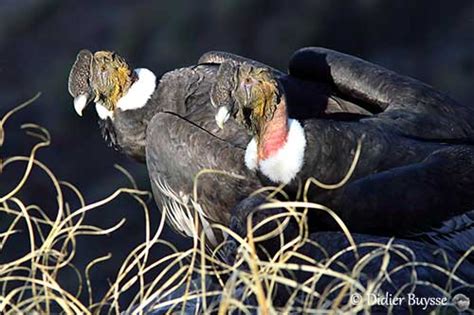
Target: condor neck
[(274, 133), (126, 128)]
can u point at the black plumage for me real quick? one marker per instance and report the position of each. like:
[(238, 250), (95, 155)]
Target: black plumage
[(401, 161), (184, 140), (408, 177), (177, 130), (416, 166), (417, 163)]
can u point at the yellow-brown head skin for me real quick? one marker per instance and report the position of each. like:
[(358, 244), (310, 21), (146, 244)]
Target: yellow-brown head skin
[(111, 77), (257, 96)]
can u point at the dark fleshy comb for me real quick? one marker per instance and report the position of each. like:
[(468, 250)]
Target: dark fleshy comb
[(78, 83)]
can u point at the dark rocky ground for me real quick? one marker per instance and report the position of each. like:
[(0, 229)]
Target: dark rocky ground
[(430, 40)]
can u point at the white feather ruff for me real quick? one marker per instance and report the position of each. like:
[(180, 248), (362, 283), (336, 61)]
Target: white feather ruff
[(251, 155), (136, 97), (140, 91), (282, 166)]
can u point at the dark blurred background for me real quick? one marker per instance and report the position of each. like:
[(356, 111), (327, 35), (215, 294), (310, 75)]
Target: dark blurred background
[(39, 39)]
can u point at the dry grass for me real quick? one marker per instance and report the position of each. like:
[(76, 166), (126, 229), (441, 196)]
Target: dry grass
[(29, 283)]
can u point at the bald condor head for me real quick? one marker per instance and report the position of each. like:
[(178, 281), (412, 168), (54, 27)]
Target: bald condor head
[(121, 96), (257, 101), (106, 78)]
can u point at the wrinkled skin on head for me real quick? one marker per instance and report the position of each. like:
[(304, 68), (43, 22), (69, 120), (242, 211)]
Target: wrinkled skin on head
[(226, 81), (80, 74), (111, 77), (251, 94), (101, 77)]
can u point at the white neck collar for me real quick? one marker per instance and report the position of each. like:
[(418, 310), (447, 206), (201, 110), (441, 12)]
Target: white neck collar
[(140, 91), (282, 166), (136, 97)]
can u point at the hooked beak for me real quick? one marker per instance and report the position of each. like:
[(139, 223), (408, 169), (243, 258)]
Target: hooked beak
[(223, 114), (80, 102)]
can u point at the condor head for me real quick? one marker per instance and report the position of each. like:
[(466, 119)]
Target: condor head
[(248, 93), (120, 95), (106, 78)]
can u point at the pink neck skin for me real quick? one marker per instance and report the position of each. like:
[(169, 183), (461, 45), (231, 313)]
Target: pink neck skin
[(274, 133)]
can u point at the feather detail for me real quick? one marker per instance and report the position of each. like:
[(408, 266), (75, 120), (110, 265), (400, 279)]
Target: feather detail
[(140, 91), (286, 162)]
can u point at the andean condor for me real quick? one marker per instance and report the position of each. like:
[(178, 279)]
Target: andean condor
[(169, 122), (173, 121), (416, 166)]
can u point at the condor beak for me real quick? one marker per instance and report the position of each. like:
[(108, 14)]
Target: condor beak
[(80, 102), (223, 114)]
